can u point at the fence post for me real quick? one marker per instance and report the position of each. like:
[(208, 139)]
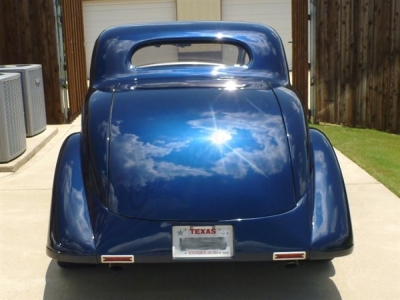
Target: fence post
[(300, 50)]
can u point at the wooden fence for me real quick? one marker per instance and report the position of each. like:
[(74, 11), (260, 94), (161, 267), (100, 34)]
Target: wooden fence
[(357, 63), (357, 57), (300, 50), (74, 42), (28, 36)]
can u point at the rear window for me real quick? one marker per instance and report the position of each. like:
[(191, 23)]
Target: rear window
[(190, 54)]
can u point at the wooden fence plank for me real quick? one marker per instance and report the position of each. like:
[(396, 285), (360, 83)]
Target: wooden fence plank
[(10, 20), (394, 119), (75, 54), (327, 59), (346, 50), (300, 50), (362, 64), (320, 54), (387, 66), (333, 88)]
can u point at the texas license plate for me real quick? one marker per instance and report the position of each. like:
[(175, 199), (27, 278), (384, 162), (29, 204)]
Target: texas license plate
[(202, 241)]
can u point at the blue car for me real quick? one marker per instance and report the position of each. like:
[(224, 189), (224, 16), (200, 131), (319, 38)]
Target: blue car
[(195, 147)]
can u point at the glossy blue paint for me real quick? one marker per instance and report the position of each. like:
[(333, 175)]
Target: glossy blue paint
[(70, 226), (297, 135), (166, 165), (332, 230), (195, 145), (111, 61), (95, 134), (255, 239)]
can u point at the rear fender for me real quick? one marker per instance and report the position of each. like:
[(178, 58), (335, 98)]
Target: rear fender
[(297, 134), (332, 233), (70, 231)]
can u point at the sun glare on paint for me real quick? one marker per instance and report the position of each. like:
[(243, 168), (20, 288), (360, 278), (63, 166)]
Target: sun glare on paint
[(220, 137)]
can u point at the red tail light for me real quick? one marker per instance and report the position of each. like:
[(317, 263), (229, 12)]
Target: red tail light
[(289, 255), (120, 259)]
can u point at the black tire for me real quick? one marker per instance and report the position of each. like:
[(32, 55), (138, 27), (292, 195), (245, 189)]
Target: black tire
[(325, 260), (69, 265), (66, 265)]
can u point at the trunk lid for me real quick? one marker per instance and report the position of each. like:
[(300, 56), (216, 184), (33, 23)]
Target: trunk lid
[(198, 154)]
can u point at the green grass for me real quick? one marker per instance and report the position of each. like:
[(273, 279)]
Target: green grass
[(376, 152)]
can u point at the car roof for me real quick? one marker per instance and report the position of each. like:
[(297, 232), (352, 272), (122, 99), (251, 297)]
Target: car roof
[(111, 60)]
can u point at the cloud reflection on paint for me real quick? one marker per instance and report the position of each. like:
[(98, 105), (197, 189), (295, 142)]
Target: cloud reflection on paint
[(324, 210), (144, 162), (76, 231), (266, 130), (139, 160)]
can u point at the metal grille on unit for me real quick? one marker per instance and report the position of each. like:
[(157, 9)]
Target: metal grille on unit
[(33, 95), (12, 129)]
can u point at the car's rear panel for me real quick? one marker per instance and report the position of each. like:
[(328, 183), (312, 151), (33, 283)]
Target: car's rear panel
[(198, 154)]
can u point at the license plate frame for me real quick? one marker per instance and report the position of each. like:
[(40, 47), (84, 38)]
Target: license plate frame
[(202, 242)]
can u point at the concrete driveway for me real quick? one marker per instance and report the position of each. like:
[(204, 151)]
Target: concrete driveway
[(371, 272)]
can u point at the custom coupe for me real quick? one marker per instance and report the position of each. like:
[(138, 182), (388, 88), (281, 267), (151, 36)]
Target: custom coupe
[(195, 147)]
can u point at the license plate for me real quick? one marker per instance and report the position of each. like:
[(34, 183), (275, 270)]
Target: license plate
[(202, 241)]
